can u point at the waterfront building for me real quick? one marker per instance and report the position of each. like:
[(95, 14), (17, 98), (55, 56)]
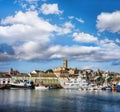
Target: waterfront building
[(5, 79), (45, 78)]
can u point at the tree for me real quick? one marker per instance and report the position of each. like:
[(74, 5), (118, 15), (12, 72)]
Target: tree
[(49, 71)]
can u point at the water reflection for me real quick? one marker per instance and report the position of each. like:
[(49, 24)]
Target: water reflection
[(58, 101)]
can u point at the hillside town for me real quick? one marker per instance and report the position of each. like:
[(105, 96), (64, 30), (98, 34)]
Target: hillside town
[(51, 77)]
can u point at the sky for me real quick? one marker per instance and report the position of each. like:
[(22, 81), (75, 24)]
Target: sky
[(40, 34)]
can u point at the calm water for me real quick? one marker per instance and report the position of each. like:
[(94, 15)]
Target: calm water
[(58, 101)]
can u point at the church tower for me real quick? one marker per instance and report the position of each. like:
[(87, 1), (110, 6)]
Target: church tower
[(65, 64)]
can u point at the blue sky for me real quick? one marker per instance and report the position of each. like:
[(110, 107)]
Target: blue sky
[(39, 34)]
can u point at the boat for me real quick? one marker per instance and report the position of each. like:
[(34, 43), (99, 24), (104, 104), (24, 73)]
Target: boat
[(41, 87), (107, 88), (83, 84), (118, 87), (21, 84), (77, 82), (70, 83)]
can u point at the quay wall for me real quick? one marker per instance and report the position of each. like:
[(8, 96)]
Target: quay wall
[(48, 81)]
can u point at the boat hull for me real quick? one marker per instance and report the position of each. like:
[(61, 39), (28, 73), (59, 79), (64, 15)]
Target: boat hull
[(12, 86), (40, 87), (118, 88)]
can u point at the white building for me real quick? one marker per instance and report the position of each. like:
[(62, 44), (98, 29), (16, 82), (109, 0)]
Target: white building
[(5, 79)]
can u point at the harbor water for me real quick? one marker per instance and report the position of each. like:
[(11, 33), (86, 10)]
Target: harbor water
[(59, 100)]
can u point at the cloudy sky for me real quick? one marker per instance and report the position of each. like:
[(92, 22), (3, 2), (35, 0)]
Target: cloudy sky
[(39, 34)]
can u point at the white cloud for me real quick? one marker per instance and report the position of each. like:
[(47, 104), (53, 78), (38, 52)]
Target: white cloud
[(24, 6), (71, 52), (109, 51), (38, 51), (80, 20), (65, 29), (26, 26), (109, 22), (106, 41), (50, 9), (68, 25), (36, 32), (32, 7), (32, 1), (31, 50), (71, 17), (29, 26), (117, 40), (84, 37)]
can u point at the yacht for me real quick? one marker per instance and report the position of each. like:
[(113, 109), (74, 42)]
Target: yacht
[(70, 83), (73, 83), (83, 84)]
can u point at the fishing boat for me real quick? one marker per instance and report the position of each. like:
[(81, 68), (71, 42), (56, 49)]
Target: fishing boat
[(21, 84)]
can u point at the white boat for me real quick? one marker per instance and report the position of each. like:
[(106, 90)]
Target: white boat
[(41, 87), (83, 84), (70, 83), (21, 84)]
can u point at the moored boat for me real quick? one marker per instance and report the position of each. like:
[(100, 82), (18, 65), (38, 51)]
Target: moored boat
[(41, 87), (107, 88), (70, 83), (21, 84), (118, 87)]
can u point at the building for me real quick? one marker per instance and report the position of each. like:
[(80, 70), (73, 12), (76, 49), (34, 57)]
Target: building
[(62, 69), (65, 64), (5, 79)]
